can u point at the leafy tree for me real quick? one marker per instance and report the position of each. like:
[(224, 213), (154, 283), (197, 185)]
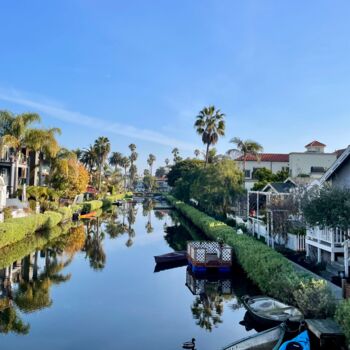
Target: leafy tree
[(328, 207), (217, 186), (151, 159), (180, 169), (160, 172), (265, 176), (210, 125), (149, 182)]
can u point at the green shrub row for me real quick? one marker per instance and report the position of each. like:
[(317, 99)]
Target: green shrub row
[(342, 316), (88, 207), (20, 249), (16, 229), (66, 213), (269, 270)]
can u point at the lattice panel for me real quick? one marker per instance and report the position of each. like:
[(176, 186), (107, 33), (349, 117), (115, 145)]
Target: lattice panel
[(226, 287), (226, 254), (200, 254)]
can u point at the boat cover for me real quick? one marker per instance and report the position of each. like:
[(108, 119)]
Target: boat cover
[(301, 341)]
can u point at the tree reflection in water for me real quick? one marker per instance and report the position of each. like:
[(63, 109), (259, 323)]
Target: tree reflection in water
[(131, 218), (147, 207), (11, 322), (93, 245)]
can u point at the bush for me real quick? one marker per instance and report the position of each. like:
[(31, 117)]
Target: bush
[(7, 213), (66, 213), (90, 206), (269, 270), (52, 219), (342, 316)]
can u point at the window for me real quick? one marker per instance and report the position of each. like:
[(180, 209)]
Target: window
[(247, 174)]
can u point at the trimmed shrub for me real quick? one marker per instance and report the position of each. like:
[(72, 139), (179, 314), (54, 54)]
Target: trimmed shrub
[(90, 206), (269, 270), (66, 213), (342, 316), (52, 219)]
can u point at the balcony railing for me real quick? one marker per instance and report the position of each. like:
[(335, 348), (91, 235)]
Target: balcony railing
[(328, 235)]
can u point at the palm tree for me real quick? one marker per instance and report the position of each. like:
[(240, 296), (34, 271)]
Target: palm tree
[(88, 158), (151, 159), (133, 168), (125, 163), (167, 161), (176, 155), (102, 147), (115, 159), (245, 148), (43, 141), (197, 152), (132, 147), (210, 125), (13, 131)]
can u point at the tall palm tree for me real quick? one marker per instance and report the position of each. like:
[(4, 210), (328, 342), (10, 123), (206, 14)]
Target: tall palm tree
[(210, 125), (125, 163), (102, 147), (88, 158), (151, 159), (13, 130), (115, 159), (43, 142), (167, 161), (197, 152), (245, 148), (133, 168), (176, 155)]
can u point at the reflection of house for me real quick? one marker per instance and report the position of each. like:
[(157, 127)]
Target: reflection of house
[(313, 163), (327, 244)]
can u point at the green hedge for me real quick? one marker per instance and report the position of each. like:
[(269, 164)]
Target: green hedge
[(66, 213), (88, 207), (16, 229), (20, 249), (269, 270), (342, 316)]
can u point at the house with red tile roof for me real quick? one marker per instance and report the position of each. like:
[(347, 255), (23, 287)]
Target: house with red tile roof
[(313, 162)]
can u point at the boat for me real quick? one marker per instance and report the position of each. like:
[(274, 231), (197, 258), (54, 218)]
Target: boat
[(88, 215), (301, 341), (167, 266), (270, 339), (271, 312), (171, 257)]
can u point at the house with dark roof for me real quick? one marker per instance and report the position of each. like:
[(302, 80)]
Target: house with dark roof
[(311, 163), (280, 187)]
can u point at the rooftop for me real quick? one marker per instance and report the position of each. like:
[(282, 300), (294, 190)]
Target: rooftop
[(315, 143), (266, 157)]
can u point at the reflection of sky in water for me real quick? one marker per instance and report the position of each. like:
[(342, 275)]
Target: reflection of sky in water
[(125, 305)]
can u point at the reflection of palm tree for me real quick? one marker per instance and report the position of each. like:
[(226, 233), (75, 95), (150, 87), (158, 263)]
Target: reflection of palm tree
[(10, 322), (94, 247), (207, 309)]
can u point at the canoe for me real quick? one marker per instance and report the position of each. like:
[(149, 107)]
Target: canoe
[(171, 257), (88, 215), (267, 340), (301, 341), (271, 312)]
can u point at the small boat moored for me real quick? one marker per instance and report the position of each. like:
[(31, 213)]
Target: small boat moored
[(271, 312), (173, 257), (267, 340), (300, 342), (88, 215)]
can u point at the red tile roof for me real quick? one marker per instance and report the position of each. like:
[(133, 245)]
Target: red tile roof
[(316, 144), (267, 157)]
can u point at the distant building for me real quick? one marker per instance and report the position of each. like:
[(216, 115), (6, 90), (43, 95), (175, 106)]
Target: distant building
[(313, 163)]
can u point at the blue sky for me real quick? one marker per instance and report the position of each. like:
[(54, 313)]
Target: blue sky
[(139, 71)]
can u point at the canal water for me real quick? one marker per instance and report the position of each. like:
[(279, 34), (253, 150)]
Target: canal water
[(95, 288)]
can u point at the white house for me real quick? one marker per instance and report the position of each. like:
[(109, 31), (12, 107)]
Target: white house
[(328, 244), (312, 163)]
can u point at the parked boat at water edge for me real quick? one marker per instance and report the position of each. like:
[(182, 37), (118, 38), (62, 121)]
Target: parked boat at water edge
[(271, 312), (270, 339), (179, 256)]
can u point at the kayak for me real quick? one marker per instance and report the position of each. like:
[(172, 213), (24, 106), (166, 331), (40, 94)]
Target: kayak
[(301, 341), (88, 215)]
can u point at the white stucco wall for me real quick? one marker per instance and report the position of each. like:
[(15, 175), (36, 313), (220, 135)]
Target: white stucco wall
[(301, 163)]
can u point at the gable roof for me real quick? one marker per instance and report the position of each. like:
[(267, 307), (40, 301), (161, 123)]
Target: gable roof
[(335, 166), (266, 157), (279, 187), (315, 143)]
